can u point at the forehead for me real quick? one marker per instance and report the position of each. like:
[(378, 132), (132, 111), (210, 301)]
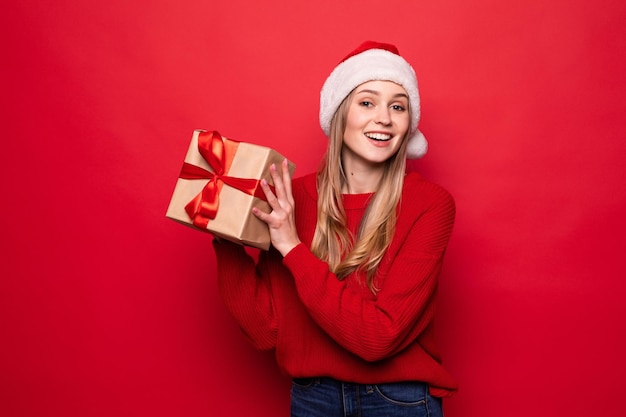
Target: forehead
[(381, 87)]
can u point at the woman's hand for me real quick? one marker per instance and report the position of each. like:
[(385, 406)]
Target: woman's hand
[(280, 220)]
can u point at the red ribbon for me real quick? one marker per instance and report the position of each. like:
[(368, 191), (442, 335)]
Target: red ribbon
[(203, 207)]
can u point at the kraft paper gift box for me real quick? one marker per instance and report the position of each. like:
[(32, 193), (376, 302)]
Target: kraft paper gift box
[(219, 185)]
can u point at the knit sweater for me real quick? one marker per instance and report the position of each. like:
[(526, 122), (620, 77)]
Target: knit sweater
[(321, 326)]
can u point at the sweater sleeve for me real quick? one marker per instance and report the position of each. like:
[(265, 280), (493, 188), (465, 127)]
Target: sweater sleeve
[(246, 292), (378, 327)]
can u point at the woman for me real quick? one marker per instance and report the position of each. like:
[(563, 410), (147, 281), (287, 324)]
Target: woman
[(346, 296)]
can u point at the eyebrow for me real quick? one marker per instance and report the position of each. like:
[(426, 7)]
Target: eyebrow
[(377, 93)]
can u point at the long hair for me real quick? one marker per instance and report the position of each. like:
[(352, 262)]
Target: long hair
[(332, 241)]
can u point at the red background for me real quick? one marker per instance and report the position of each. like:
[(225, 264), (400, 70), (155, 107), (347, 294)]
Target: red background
[(107, 308)]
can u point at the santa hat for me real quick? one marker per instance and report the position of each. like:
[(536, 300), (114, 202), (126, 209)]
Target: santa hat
[(373, 61)]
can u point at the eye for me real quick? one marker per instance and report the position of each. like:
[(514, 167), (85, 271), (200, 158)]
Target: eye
[(366, 103), (398, 107)]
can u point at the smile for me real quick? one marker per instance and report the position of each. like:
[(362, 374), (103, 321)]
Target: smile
[(383, 137)]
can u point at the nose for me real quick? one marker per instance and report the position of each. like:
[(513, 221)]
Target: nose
[(383, 116)]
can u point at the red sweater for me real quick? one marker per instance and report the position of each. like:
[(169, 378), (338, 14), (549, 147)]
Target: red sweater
[(321, 326)]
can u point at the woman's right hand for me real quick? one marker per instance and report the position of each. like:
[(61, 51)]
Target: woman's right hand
[(281, 220)]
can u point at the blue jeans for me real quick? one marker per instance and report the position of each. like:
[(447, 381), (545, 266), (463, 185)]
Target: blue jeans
[(326, 397)]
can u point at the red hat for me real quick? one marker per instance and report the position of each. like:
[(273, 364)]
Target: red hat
[(373, 61)]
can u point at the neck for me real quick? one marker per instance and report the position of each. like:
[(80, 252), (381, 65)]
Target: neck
[(362, 179)]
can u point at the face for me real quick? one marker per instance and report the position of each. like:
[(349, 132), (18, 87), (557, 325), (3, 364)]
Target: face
[(376, 123)]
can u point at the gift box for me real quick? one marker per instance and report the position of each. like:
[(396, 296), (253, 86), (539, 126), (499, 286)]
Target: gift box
[(219, 184)]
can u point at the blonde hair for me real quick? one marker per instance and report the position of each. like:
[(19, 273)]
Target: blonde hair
[(332, 241)]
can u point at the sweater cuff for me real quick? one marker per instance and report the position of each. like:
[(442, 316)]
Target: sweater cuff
[(293, 258), (301, 261)]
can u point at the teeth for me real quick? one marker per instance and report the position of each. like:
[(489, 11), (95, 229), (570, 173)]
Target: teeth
[(378, 136)]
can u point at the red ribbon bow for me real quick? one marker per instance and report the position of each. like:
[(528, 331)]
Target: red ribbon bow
[(204, 206)]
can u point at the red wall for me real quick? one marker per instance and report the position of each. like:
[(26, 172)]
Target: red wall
[(107, 308)]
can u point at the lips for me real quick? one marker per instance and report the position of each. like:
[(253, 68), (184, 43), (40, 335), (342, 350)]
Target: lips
[(381, 137)]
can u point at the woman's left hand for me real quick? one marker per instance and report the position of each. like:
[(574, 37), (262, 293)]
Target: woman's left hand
[(280, 220)]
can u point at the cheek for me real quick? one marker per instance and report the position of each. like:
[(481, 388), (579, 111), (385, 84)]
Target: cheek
[(403, 123), (353, 126), (354, 119)]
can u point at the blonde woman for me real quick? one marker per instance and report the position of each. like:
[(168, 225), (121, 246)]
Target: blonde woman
[(347, 293)]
